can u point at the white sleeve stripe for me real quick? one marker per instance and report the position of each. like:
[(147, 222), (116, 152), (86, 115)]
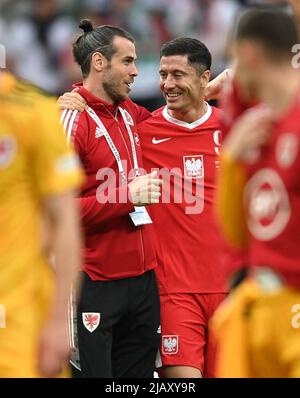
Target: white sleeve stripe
[(69, 132), (71, 325), (63, 115), (75, 365), (67, 118)]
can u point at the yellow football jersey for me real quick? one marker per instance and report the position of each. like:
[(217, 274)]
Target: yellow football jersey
[(35, 163)]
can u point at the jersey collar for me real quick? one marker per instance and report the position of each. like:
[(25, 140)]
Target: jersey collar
[(190, 126), (95, 102)]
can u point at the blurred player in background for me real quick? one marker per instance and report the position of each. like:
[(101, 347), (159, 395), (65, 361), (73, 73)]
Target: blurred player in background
[(183, 138), (259, 201), (38, 175)]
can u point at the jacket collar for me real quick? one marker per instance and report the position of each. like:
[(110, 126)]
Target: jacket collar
[(97, 103)]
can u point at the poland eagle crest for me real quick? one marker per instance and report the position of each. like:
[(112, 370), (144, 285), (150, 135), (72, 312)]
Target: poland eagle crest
[(169, 344), (193, 166)]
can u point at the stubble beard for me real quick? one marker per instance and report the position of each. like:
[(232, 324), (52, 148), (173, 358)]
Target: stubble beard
[(111, 89)]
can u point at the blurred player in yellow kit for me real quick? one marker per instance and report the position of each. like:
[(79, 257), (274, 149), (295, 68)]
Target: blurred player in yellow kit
[(38, 174)]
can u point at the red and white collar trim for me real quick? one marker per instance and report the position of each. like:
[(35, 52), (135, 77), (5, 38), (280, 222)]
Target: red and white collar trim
[(190, 126)]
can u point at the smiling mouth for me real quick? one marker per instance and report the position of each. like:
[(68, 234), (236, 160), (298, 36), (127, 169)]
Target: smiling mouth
[(128, 85), (173, 95)]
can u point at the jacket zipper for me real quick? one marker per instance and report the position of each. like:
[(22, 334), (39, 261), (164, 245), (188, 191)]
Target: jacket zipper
[(129, 157)]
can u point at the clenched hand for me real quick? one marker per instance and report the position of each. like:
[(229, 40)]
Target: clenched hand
[(145, 190)]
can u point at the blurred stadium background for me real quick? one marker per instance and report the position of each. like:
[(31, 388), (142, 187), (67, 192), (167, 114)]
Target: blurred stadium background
[(37, 35)]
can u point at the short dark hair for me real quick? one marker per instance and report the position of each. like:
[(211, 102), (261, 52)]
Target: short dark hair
[(274, 29), (96, 39), (197, 53)]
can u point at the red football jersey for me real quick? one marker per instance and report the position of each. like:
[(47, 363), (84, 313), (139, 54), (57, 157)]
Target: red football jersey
[(189, 246), (272, 199)]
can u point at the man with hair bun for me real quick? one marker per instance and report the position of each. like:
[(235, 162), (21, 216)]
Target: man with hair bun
[(118, 310)]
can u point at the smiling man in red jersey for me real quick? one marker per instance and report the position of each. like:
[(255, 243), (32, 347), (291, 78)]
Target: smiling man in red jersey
[(182, 140)]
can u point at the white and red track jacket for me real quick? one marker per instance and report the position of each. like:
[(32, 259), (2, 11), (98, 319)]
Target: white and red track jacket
[(114, 247)]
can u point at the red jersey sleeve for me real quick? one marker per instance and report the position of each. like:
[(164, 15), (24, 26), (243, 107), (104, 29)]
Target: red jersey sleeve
[(93, 212)]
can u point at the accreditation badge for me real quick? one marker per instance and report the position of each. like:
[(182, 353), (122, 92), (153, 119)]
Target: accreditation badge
[(140, 216)]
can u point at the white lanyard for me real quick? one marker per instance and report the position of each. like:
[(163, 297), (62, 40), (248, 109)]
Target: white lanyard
[(111, 144), (135, 162)]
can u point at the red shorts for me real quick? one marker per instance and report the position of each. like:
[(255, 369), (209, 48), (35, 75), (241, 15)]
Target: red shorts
[(184, 328)]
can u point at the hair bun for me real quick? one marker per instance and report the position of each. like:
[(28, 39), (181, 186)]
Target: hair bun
[(86, 25)]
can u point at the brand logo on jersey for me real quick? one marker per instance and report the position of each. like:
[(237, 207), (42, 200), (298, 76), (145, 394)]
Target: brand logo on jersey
[(99, 132), (155, 141), (268, 204), (287, 149), (136, 139), (193, 166), (128, 117), (169, 344), (91, 320), (8, 150)]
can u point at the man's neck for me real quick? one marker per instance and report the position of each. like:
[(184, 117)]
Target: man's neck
[(190, 115), (279, 89), (96, 89)]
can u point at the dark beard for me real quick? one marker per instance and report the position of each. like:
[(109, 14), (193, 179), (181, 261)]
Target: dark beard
[(112, 93)]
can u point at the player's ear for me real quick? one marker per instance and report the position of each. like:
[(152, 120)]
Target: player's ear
[(205, 78), (250, 52), (98, 61)]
